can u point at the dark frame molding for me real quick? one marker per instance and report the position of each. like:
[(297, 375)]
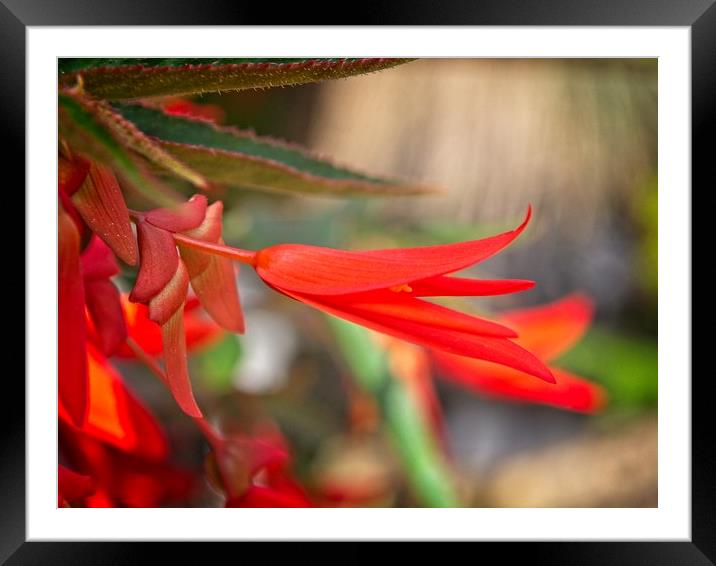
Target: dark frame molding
[(699, 15)]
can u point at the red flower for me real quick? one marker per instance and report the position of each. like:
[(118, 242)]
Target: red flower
[(115, 416), (163, 282), (254, 471), (89, 196), (123, 479), (120, 447), (547, 331), (383, 289)]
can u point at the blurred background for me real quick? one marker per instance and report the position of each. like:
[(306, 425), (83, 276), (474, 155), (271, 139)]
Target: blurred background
[(575, 138)]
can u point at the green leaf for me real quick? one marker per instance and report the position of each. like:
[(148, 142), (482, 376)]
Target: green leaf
[(426, 468), (116, 79), (79, 125), (233, 157), (130, 136), (626, 365)]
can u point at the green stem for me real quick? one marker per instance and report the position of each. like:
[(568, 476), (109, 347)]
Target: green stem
[(425, 466)]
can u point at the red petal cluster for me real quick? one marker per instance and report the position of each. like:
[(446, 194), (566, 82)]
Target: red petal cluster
[(163, 282), (120, 447)]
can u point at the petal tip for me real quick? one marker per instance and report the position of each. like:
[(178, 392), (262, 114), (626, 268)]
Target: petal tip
[(547, 375)]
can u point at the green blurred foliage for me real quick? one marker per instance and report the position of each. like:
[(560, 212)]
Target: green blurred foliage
[(409, 429), (627, 366), (217, 364)]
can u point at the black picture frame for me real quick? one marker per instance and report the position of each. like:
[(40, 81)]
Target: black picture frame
[(699, 15)]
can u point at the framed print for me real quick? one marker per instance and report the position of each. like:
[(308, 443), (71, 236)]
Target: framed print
[(366, 283)]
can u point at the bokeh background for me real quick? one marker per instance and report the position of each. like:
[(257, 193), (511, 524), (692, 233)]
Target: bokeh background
[(575, 138)]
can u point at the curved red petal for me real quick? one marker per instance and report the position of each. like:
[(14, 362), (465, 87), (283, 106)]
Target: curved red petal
[(404, 307), (499, 350), (101, 205), (216, 288), (442, 286), (325, 271), (159, 262), (105, 308), (213, 278), (568, 392), (72, 327), (176, 364), (551, 329), (172, 298), (98, 261), (184, 216)]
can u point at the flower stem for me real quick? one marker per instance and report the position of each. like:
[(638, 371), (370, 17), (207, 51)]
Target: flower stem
[(425, 466), (237, 254)]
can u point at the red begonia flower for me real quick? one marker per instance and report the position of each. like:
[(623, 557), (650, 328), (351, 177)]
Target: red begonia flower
[(381, 290), (548, 331), (163, 282), (320, 271)]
